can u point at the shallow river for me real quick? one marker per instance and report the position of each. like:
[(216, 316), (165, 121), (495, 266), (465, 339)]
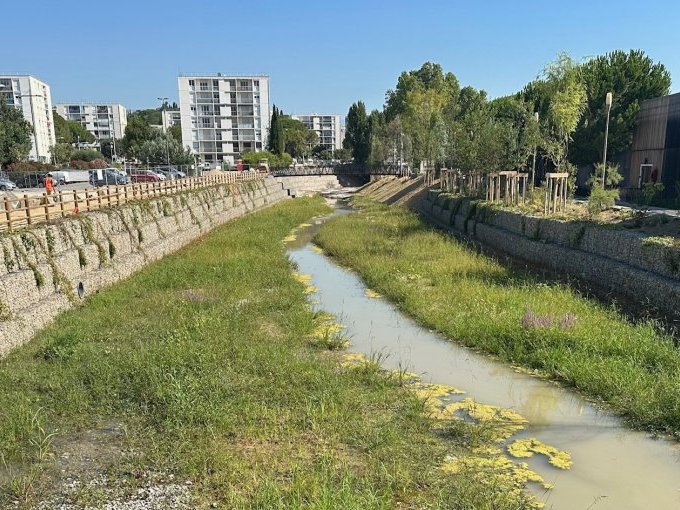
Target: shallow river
[(613, 467)]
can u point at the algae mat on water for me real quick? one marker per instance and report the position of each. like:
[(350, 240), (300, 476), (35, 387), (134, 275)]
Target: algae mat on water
[(208, 370), (635, 368)]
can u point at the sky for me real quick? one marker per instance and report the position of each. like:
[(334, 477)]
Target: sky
[(321, 56)]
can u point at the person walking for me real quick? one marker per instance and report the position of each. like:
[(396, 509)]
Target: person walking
[(49, 185)]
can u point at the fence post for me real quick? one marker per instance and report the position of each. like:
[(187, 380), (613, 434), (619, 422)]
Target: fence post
[(27, 206), (8, 213), (99, 198), (61, 204), (46, 206)]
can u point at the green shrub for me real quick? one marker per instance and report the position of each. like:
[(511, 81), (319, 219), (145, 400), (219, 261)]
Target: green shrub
[(601, 199)]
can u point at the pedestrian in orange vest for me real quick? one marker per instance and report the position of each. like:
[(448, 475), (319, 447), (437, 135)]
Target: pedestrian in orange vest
[(49, 184)]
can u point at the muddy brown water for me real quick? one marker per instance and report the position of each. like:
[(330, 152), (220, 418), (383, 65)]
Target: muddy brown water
[(613, 467)]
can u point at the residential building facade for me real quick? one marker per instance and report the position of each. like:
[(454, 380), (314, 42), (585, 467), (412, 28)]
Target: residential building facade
[(326, 126), (223, 116), (170, 118), (103, 120), (34, 99)]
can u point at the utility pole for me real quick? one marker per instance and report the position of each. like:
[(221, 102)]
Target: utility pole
[(164, 103), (608, 107)]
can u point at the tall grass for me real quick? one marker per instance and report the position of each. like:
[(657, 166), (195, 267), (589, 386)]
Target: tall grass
[(205, 360), (635, 368)]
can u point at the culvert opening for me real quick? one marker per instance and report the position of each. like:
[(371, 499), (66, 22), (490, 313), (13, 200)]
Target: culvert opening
[(81, 290)]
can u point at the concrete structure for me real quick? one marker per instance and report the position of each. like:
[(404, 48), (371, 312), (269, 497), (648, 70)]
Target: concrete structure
[(326, 126), (223, 116), (33, 98), (64, 261), (656, 144), (103, 120), (170, 118)]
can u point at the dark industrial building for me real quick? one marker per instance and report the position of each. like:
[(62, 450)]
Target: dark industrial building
[(655, 154)]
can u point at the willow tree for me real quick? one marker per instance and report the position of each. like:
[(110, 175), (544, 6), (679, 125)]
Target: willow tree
[(561, 99)]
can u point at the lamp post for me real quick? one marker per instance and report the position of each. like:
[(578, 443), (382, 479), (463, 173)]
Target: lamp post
[(533, 166), (608, 107), (164, 102)]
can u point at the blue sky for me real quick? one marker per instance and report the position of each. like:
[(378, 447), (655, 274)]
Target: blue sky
[(321, 55)]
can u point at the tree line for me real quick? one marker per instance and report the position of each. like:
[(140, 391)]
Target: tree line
[(430, 119)]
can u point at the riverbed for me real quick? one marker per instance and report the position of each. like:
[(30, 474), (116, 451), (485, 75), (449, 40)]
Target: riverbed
[(613, 467)]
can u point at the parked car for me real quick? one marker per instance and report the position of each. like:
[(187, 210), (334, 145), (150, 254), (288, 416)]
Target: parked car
[(106, 176), (144, 176), (6, 184), (172, 174), (27, 179)]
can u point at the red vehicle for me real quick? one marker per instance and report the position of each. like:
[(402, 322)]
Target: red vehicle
[(144, 176)]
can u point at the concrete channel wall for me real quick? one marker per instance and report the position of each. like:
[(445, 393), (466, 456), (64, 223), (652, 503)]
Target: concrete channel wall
[(615, 261), (51, 267)]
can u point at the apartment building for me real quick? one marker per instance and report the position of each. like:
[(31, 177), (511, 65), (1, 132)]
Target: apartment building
[(326, 126), (223, 116), (103, 120), (170, 118), (33, 98)]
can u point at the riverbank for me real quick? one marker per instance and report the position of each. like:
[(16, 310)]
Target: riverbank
[(633, 368), (203, 380)]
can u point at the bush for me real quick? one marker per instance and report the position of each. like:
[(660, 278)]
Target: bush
[(275, 160), (31, 166), (601, 199)]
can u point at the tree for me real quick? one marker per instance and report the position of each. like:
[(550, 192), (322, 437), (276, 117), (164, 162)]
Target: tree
[(70, 131), (561, 97), (429, 77), (631, 77), (358, 133), (61, 152), (137, 132), (151, 116), (299, 140), (276, 142), (424, 123), (15, 135), (176, 132), (162, 147)]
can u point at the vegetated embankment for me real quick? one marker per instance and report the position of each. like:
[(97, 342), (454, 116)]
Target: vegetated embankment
[(634, 368), (642, 269), (204, 378), (50, 267)]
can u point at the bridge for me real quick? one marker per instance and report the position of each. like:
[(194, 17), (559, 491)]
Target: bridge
[(349, 169)]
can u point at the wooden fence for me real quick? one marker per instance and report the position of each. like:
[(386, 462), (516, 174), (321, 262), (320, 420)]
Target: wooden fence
[(20, 211)]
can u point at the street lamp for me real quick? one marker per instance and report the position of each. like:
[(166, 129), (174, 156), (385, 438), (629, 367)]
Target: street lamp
[(608, 107), (164, 102)]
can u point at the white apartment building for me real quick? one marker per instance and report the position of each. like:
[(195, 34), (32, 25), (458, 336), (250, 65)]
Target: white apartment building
[(223, 116), (103, 120), (326, 126), (33, 98), (170, 118)]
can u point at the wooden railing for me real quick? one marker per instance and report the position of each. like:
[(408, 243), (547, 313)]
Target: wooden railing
[(20, 211)]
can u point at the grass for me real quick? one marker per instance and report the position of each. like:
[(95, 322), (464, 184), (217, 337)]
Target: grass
[(634, 368), (206, 361)]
